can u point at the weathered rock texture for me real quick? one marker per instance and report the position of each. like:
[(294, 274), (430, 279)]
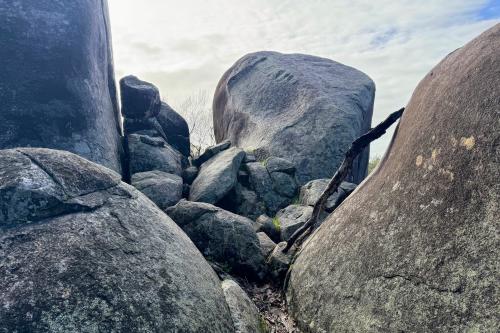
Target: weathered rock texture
[(81, 251), (164, 189), (57, 83), (416, 247), (299, 107)]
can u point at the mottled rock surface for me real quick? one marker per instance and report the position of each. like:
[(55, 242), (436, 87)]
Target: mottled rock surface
[(266, 244), (140, 99), (292, 218), (223, 237), (164, 189), (217, 176), (311, 192), (175, 128), (211, 152), (416, 247), (57, 84), (246, 317), (81, 251), (299, 107)]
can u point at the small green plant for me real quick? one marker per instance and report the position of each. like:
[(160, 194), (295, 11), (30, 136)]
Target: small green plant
[(373, 164), (276, 223)]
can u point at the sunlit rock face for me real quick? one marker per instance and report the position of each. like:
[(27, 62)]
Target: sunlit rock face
[(299, 107), (415, 248), (57, 87)]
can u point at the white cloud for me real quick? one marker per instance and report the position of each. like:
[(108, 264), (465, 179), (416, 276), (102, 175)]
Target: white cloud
[(185, 46)]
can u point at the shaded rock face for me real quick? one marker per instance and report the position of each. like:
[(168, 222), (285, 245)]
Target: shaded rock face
[(292, 218), (223, 237), (311, 192), (217, 176), (416, 247), (176, 129), (57, 84), (246, 317), (81, 251), (164, 189), (302, 108), (140, 99)]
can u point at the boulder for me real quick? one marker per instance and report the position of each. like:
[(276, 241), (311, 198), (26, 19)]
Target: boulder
[(211, 152), (246, 317), (217, 176), (223, 237), (292, 218), (57, 84), (140, 99), (243, 201), (262, 184), (416, 247), (277, 164), (147, 153), (311, 192), (266, 244), (269, 226), (284, 184), (80, 251), (305, 109), (175, 128), (279, 262), (164, 189)]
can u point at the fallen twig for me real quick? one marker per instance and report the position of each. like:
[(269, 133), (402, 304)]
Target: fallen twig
[(356, 148)]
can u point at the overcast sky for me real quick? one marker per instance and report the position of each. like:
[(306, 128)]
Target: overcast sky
[(185, 46)]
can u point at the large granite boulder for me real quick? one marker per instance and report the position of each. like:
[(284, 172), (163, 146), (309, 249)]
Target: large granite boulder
[(57, 84), (80, 251), (223, 237), (164, 189), (416, 247), (299, 107), (217, 176)]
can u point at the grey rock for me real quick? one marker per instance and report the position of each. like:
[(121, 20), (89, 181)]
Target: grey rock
[(189, 174), (249, 158), (175, 128), (140, 99), (292, 218), (246, 317), (164, 189), (416, 247), (81, 251), (243, 201), (266, 244), (284, 184), (147, 153), (223, 237), (211, 152), (305, 109), (57, 84), (279, 262), (262, 184), (277, 164), (217, 176), (270, 226), (311, 192)]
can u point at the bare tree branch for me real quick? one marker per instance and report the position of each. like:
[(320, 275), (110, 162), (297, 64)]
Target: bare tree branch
[(356, 148)]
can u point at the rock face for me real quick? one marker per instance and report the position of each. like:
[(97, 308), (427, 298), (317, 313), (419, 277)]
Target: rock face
[(292, 218), (176, 129), (81, 251), (164, 189), (416, 247), (140, 99), (299, 107), (311, 192), (57, 84), (217, 176), (246, 317), (223, 237)]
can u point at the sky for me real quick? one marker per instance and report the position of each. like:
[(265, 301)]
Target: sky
[(185, 46)]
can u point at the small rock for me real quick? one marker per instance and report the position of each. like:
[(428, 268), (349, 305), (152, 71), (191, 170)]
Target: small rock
[(217, 176), (266, 244), (284, 184), (246, 317), (249, 158), (279, 262), (269, 226), (311, 192), (140, 99), (189, 174), (278, 164), (211, 152), (292, 218), (147, 153), (164, 189), (222, 236)]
